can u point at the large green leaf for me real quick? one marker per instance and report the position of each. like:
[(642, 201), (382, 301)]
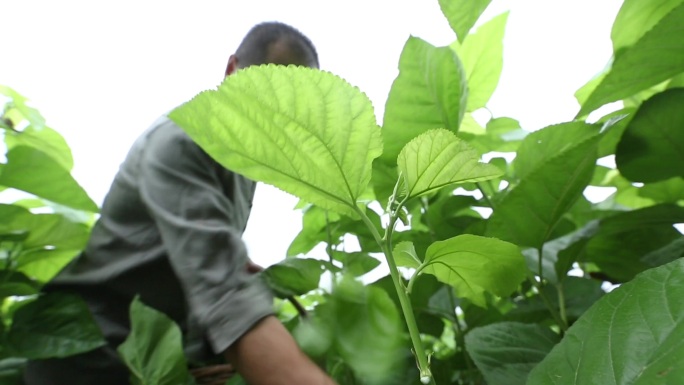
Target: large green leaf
[(153, 351), (54, 325), (293, 276), (506, 352), (482, 58), (31, 170), (430, 92), (530, 212), (539, 147), (654, 58), (463, 14), (475, 265), (636, 17), (437, 159), (624, 239), (634, 335), (652, 146), (305, 131)]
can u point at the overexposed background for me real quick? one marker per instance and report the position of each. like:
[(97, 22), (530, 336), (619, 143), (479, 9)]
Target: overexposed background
[(101, 72)]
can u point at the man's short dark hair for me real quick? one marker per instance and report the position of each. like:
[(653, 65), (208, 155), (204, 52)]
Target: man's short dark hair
[(254, 49)]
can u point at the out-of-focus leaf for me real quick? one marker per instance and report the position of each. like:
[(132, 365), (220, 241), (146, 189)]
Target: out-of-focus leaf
[(293, 276), (31, 170), (463, 14), (54, 325), (153, 351), (636, 18)]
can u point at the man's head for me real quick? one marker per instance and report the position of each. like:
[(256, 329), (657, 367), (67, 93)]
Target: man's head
[(276, 43)]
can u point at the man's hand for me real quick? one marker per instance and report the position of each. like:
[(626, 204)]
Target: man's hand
[(268, 355)]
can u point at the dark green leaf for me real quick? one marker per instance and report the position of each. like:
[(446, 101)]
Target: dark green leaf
[(153, 351), (634, 335), (430, 92), (463, 14), (655, 133), (54, 325), (14, 283), (31, 170), (475, 265), (666, 254), (11, 370), (530, 212), (506, 352), (357, 264), (625, 238), (654, 58), (293, 276)]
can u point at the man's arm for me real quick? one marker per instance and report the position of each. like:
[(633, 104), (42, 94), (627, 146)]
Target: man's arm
[(268, 355)]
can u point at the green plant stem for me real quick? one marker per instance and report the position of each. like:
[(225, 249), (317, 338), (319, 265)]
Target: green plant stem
[(460, 336), (404, 301), (540, 264), (556, 316), (489, 201), (415, 275), (561, 302), (329, 247)]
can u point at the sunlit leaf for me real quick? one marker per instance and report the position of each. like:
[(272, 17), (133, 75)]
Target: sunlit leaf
[(405, 255), (506, 352), (475, 265), (667, 191), (305, 131), (437, 159), (430, 92), (654, 58), (54, 325), (44, 139), (634, 335), (153, 351), (31, 170), (636, 18), (482, 58), (655, 134), (463, 14)]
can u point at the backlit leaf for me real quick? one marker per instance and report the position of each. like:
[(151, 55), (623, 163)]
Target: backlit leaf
[(437, 159), (430, 92), (657, 56), (305, 131), (637, 17), (463, 14)]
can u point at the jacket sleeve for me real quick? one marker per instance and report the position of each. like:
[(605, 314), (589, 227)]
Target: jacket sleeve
[(181, 187)]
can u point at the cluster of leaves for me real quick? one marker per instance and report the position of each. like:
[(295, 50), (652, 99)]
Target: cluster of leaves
[(45, 226), (502, 263)]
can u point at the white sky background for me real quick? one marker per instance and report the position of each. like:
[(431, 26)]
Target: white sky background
[(101, 72)]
